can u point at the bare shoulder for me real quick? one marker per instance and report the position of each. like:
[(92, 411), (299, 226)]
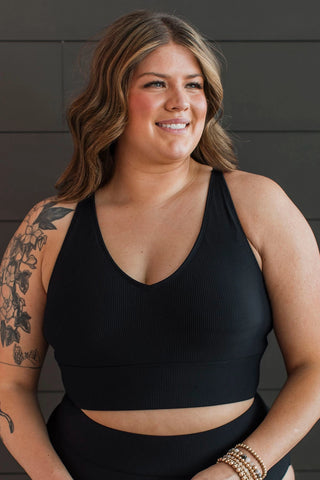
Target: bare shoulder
[(264, 207), (47, 219), (49, 208), (43, 226), (252, 186), (52, 215), (53, 221), (31, 229)]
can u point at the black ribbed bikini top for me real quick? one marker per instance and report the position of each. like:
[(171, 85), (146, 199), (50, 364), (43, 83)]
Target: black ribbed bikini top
[(192, 339)]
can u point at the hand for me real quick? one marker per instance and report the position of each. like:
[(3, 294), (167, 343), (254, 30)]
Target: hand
[(219, 471)]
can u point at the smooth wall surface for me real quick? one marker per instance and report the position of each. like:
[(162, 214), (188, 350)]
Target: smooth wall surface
[(271, 78)]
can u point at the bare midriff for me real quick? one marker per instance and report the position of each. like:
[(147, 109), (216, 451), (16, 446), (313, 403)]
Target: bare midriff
[(174, 421)]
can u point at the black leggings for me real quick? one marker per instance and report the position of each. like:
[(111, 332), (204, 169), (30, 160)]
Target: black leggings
[(91, 451)]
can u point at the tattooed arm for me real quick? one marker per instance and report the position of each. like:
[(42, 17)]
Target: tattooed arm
[(22, 345)]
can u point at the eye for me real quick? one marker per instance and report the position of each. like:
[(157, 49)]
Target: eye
[(195, 85), (155, 83)]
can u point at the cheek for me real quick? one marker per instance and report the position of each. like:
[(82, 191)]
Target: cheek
[(140, 105), (202, 107)]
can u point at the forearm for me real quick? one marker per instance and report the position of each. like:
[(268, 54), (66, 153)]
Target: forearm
[(24, 433), (294, 412)]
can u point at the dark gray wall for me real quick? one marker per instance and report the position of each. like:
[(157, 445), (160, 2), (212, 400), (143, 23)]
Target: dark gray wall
[(272, 105)]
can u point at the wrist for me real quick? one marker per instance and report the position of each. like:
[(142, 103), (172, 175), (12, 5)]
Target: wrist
[(245, 462)]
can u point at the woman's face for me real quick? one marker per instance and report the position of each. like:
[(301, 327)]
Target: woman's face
[(166, 105)]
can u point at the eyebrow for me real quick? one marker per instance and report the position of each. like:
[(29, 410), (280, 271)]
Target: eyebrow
[(162, 75)]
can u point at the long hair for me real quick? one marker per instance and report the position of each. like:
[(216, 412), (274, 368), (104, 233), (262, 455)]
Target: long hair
[(98, 115)]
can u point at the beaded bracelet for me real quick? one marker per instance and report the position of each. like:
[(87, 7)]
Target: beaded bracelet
[(246, 469), (237, 467), (244, 466), (256, 456), (254, 472)]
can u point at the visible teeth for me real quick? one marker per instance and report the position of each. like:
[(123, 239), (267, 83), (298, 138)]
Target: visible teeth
[(175, 126)]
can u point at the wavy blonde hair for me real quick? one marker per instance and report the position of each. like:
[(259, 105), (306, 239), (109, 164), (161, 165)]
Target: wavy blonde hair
[(98, 116)]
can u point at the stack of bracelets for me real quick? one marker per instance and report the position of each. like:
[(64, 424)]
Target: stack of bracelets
[(245, 469)]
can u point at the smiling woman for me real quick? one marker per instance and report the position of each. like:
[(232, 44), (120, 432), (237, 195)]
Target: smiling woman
[(99, 115), (162, 272), (167, 116)]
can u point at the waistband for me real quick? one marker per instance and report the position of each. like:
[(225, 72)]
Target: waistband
[(152, 455)]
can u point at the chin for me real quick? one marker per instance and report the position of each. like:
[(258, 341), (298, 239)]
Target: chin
[(177, 153), (178, 156)]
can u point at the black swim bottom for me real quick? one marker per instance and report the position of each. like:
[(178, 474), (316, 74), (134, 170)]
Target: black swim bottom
[(91, 451)]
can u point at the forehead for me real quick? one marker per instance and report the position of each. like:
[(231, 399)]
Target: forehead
[(169, 57)]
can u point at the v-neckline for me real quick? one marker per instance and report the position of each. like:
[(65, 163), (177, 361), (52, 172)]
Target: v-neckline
[(179, 268)]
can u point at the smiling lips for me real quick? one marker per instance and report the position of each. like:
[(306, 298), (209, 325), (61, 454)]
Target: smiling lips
[(175, 125)]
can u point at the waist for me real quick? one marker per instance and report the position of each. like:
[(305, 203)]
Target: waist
[(173, 421)]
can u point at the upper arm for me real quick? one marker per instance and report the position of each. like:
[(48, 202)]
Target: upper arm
[(291, 269), (22, 296)]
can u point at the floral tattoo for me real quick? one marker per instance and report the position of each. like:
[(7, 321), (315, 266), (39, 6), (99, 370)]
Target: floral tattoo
[(14, 281)]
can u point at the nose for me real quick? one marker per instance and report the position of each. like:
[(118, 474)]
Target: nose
[(177, 100)]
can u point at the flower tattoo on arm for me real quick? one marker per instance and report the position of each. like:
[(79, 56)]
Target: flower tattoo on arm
[(14, 283)]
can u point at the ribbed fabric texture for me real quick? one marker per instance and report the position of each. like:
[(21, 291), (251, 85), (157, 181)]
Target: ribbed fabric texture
[(193, 339)]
